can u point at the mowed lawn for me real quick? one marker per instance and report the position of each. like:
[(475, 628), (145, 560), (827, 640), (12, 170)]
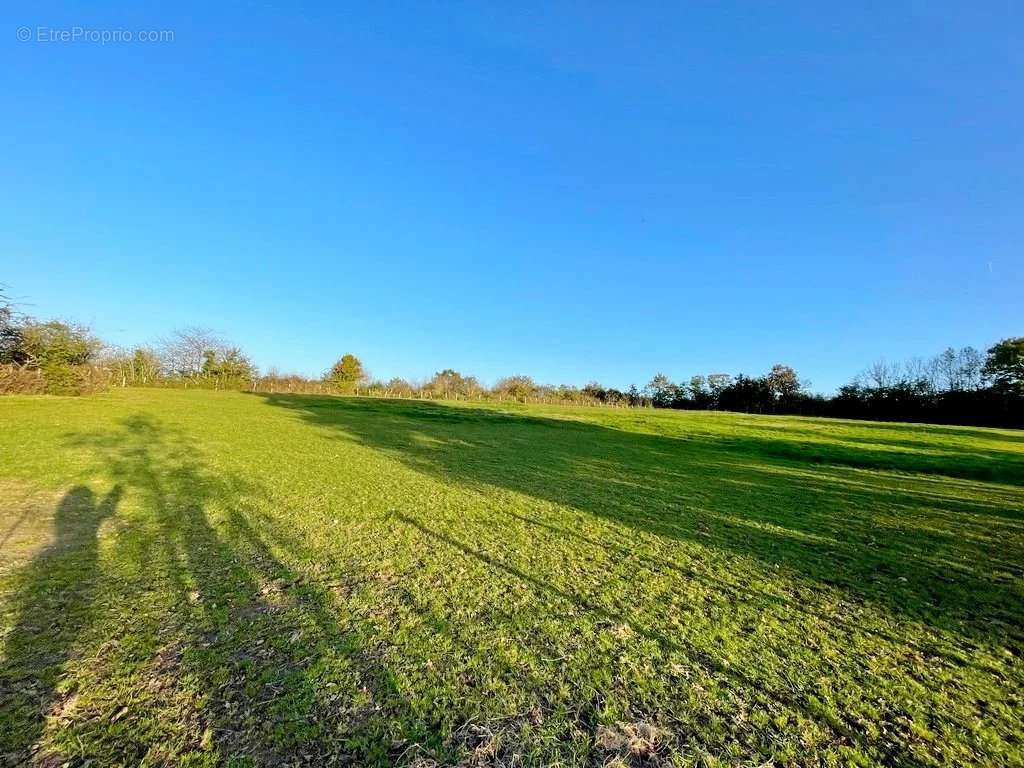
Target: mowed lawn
[(205, 578)]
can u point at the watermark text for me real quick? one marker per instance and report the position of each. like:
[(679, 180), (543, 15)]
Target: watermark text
[(76, 34)]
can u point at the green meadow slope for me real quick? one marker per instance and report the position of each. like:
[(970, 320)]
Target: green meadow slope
[(203, 578)]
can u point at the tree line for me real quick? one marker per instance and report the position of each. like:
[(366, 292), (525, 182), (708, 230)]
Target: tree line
[(954, 387), (962, 386)]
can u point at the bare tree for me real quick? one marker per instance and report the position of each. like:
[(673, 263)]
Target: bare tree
[(971, 365), (917, 369), (947, 371), (881, 375), (185, 350), (398, 387), (131, 367), (10, 330)]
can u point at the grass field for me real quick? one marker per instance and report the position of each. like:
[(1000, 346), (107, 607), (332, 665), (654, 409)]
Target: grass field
[(202, 578)]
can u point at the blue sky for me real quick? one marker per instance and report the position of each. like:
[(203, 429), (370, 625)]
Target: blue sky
[(573, 191)]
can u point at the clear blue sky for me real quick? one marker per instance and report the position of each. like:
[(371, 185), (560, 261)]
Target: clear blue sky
[(573, 191)]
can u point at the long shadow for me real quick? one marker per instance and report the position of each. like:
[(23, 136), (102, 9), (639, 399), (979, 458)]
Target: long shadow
[(226, 641), (995, 460), (55, 601), (923, 554), (881, 541), (238, 632), (1000, 434), (709, 661)]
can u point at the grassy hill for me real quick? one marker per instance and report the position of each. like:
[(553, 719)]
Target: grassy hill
[(204, 578)]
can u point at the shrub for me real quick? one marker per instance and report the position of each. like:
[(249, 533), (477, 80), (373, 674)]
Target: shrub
[(52, 379), (21, 380)]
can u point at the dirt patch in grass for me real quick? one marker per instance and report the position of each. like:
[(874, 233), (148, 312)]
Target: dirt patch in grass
[(632, 743)]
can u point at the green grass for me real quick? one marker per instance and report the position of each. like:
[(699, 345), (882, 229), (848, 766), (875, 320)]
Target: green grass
[(203, 578)]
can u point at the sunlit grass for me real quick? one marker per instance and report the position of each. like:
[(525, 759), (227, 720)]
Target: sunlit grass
[(218, 578)]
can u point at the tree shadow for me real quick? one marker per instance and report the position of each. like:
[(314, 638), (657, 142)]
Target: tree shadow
[(995, 433), (737, 678), (55, 601), (232, 637), (902, 537), (196, 642), (902, 561)]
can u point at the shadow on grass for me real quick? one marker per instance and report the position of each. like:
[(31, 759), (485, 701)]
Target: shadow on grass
[(737, 678), (220, 637), (923, 546), (999, 435), (56, 594), (194, 641)]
